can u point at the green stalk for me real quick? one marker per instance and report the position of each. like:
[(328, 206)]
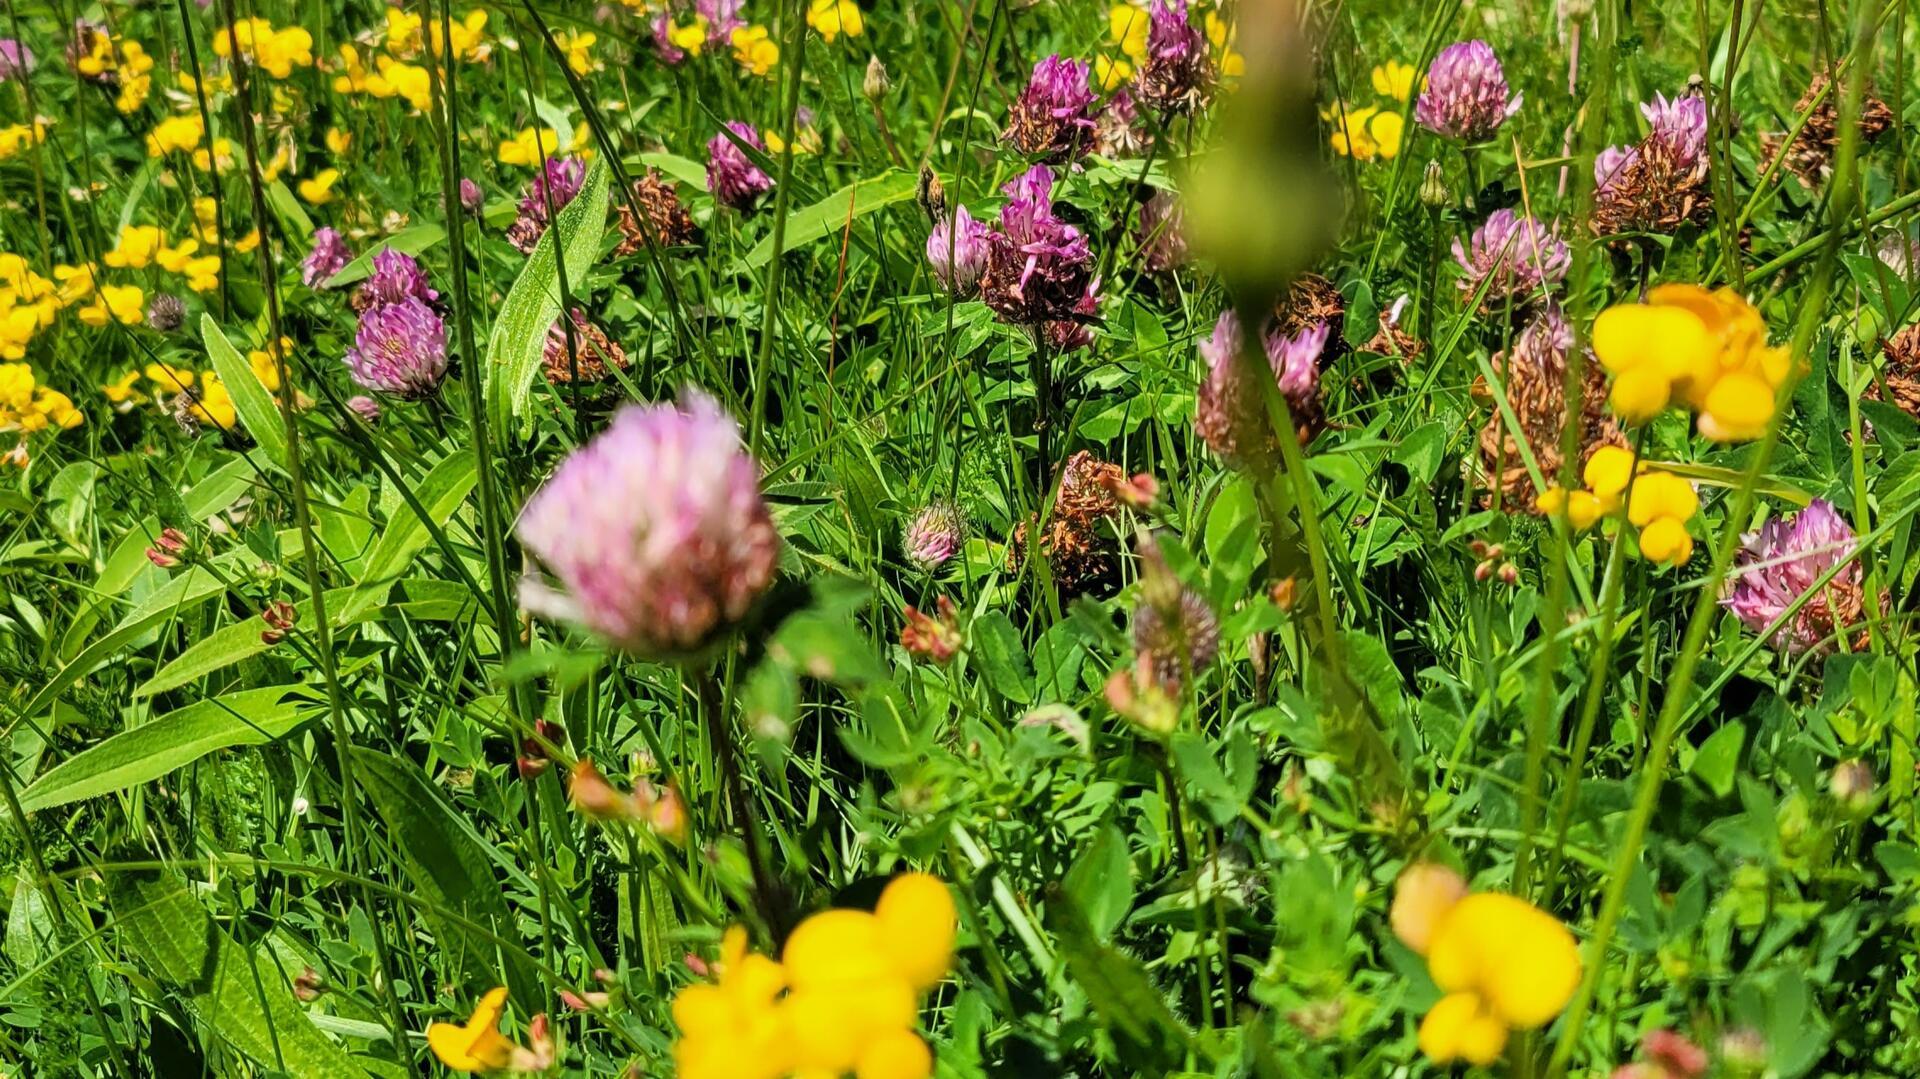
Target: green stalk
[(795, 55), (303, 521)]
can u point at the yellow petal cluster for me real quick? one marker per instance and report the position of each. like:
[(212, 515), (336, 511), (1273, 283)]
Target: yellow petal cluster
[(182, 132), (28, 406), (476, 1045), (277, 52), (754, 50), (842, 998), (1396, 80), (831, 18), (1502, 963), (1660, 503), (15, 138), (1366, 132), (1695, 349)]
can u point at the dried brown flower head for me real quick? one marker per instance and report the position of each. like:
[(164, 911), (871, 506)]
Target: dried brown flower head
[(1535, 370), (1902, 372), (1079, 552), (1810, 155), (593, 352), (667, 221)]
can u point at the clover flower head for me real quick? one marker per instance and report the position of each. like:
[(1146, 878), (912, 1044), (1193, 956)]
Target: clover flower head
[(1679, 124), (1231, 417), (1174, 628), (328, 257), (1163, 241), (654, 532), (736, 182), (400, 349), (16, 60), (166, 312), (1039, 268), (559, 181), (1785, 560), (396, 276), (957, 251), (1467, 97), (1053, 116), (934, 535), (1515, 255), (1177, 71)]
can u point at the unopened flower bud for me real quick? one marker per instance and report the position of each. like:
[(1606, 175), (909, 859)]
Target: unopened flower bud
[(1433, 187), (1509, 574), (534, 759), (876, 84), (1421, 897), (1852, 785), (308, 984), (1284, 593), (279, 617), (593, 796), (167, 548)]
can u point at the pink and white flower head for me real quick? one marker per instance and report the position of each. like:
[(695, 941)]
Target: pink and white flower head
[(401, 349), (1679, 125), (663, 45), (1053, 116), (723, 18), (654, 533), (1467, 97), (1230, 416), (1517, 255), (1783, 561), (1039, 268), (559, 181), (934, 535), (328, 257), (16, 60), (1610, 167), (1177, 72), (957, 252), (396, 277), (1163, 240), (736, 182)]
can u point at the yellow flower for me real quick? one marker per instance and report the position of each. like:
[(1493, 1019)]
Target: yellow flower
[(175, 133), (1366, 133), (16, 387), (1222, 35), (831, 18), (123, 391), (277, 52), (17, 137), (690, 38), (1395, 80), (168, 379), (76, 282), (917, 928), (1665, 541), (1127, 27), (1504, 965), (136, 247), (468, 36), (318, 188), (127, 303), (397, 78), (203, 273), (1422, 895), (353, 74), (213, 406), (1661, 494), (219, 156), (338, 141), (1704, 350), (17, 327), (578, 47), (476, 1045), (58, 409), (754, 50), (526, 147), (403, 32), (1607, 473), (1111, 73), (805, 141)]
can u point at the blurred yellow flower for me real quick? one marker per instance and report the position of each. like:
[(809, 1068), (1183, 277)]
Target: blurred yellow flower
[(754, 50), (168, 379), (1111, 73), (76, 282), (831, 18), (1504, 964), (175, 133), (277, 52), (529, 146), (123, 391), (403, 32), (477, 1044), (338, 141), (1395, 80), (212, 405), (577, 46), (136, 247), (1127, 27), (17, 137), (1222, 36), (400, 79), (1366, 132), (318, 188)]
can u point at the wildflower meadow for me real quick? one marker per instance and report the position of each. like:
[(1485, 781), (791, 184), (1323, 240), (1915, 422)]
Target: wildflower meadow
[(744, 539)]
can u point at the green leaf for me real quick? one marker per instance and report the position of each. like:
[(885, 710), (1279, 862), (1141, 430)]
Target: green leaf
[(407, 241), (834, 213), (689, 172), (252, 401), (1003, 660), (293, 216), (448, 866), (1101, 880), (1198, 765), (1719, 757), (242, 995), (1144, 1029), (442, 492), (248, 718), (520, 330)]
